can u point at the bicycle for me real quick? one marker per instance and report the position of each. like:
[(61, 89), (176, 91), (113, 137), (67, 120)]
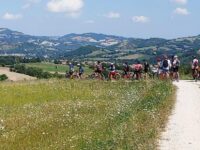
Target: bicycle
[(128, 76), (72, 75), (114, 75), (97, 76), (196, 74), (175, 76), (164, 75), (137, 75)]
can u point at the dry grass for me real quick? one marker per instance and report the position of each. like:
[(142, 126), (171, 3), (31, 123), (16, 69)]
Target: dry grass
[(59, 114)]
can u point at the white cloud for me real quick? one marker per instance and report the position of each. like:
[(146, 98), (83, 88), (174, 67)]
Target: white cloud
[(140, 19), (181, 11), (89, 22), (181, 2), (113, 15), (71, 7), (30, 3), (26, 6), (10, 16)]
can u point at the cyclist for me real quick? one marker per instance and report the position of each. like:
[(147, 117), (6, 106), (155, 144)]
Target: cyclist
[(126, 69), (171, 70), (154, 71), (175, 67), (112, 71), (80, 70), (99, 69), (195, 65), (165, 65), (146, 68), (71, 69), (138, 70), (158, 66)]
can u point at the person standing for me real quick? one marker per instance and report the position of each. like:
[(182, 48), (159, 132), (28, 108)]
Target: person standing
[(195, 66), (80, 70), (138, 70), (175, 68), (146, 68), (71, 69), (166, 65)]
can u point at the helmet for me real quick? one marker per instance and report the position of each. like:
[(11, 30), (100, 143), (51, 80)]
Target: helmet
[(111, 63), (78, 64), (175, 56)]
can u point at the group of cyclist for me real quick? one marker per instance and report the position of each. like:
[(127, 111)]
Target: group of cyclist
[(72, 73), (165, 68)]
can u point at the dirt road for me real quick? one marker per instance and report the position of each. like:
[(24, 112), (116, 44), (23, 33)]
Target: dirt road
[(183, 129), (13, 76)]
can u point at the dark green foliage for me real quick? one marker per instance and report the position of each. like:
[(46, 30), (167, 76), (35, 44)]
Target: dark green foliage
[(7, 60), (3, 77), (32, 71), (82, 51), (57, 61), (11, 60)]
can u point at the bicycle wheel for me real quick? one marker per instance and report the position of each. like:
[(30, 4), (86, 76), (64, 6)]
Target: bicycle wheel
[(117, 76), (195, 75)]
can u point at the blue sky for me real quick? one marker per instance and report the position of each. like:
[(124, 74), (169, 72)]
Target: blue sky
[(130, 18)]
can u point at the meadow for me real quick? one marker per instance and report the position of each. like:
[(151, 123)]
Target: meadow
[(51, 67), (71, 114)]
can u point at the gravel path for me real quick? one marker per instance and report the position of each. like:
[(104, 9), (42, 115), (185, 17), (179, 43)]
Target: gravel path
[(13, 76), (183, 129)]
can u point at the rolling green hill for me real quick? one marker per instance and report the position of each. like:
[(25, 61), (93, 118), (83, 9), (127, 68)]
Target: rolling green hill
[(95, 46)]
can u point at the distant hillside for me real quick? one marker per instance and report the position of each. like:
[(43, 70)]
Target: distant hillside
[(100, 46)]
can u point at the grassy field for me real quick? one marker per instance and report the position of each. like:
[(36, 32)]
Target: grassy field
[(60, 114), (51, 67), (133, 56)]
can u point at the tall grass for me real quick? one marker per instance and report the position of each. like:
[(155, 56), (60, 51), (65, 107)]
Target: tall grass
[(59, 114)]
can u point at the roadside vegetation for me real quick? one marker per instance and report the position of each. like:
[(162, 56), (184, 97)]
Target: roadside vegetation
[(3, 77), (34, 72), (60, 114), (186, 72)]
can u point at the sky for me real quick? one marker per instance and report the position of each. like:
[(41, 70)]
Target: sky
[(130, 18)]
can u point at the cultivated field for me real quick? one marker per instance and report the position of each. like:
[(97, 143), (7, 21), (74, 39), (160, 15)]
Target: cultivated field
[(64, 114), (13, 76)]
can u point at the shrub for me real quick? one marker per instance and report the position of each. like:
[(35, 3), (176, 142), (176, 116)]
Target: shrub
[(3, 77), (34, 72)]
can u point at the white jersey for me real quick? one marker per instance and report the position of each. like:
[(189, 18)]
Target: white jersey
[(195, 62), (168, 66)]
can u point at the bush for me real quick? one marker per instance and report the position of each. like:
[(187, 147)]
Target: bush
[(3, 77), (3, 65), (31, 71), (34, 72)]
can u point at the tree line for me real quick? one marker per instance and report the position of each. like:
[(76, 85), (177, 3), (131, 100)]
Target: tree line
[(34, 72)]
